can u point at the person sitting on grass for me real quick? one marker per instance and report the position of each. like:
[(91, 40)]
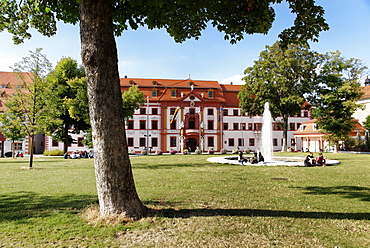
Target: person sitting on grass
[(310, 160), (320, 161), (241, 158)]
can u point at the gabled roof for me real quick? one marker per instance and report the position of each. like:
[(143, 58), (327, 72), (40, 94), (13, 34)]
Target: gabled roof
[(366, 91), (185, 87)]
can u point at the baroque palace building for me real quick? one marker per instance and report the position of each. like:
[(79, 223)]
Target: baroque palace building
[(178, 115), (191, 114)]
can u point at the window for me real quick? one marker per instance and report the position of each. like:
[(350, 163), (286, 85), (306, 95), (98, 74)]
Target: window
[(142, 111), (210, 124), (192, 111), (154, 93), (192, 97), (211, 141), (236, 126), (173, 125), (154, 142), (130, 124), (292, 142), (154, 111), (240, 142), (298, 125), (142, 142), (250, 126), (191, 124), (3, 86), (142, 124), (274, 142), (235, 112), (172, 141), (242, 126), (79, 141), (154, 124), (55, 143), (210, 112), (251, 142), (299, 114), (130, 141), (17, 145), (226, 126), (292, 126), (173, 93), (257, 126), (210, 94), (231, 142), (225, 112), (172, 111), (305, 113)]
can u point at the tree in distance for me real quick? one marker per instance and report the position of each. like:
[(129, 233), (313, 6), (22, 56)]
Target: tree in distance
[(26, 107), (282, 77)]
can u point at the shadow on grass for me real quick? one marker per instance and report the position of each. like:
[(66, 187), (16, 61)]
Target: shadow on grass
[(353, 192), (187, 213), (24, 205)]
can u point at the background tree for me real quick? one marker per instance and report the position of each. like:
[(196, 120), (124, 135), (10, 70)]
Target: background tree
[(281, 77), (100, 20), (11, 126), (336, 95), (132, 100), (26, 104), (67, 95)]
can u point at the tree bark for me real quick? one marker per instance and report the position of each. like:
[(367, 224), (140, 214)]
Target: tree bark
[(115, 184)]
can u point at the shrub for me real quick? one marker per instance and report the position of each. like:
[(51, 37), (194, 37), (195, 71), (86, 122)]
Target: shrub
[(53, 153), (198, 151), (211, 151), (234, 151), (159, 152), (247, 151), (185, 151), (224, 151), (173, 152), (144, 152)]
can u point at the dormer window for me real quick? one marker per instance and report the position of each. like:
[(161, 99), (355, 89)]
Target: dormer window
[(132, 82), (210, 94), (173, 93), (3, 86), (19, 86), (154, 93), (192, 97), (155, 83)]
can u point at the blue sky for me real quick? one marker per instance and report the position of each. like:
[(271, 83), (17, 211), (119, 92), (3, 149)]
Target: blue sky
[(153, 53)]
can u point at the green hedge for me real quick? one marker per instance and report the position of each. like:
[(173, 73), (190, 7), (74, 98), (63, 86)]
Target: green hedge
[(53, 153)]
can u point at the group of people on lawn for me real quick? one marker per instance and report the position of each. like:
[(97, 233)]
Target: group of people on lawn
[(311, 161), (253, 160)]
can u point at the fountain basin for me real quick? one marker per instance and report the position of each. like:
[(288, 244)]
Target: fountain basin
[(278, 161)]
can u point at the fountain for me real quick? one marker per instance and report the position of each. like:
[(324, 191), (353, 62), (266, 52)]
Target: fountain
[(266, 149)]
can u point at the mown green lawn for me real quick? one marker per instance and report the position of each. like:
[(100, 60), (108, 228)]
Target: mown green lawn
[(193, 204)]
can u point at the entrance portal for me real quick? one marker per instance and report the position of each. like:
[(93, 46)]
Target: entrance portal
[(191, 145)]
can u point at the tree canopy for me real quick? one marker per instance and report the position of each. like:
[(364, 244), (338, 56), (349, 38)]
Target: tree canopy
[(181, 19), (281, 77), (66, 94), (337, 91)]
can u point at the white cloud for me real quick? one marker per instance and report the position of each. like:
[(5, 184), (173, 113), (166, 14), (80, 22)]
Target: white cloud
[(236, 79)]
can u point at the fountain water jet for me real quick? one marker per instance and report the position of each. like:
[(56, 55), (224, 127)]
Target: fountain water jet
[(267, 146)]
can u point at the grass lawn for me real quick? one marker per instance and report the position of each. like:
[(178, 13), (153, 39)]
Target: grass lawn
[(193, 204)]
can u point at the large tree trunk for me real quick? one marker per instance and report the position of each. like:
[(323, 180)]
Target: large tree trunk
[(114, 179)]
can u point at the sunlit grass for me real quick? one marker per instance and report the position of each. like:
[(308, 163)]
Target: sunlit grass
[(192, 203)]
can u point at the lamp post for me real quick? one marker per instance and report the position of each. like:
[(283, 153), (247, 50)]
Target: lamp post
[(147, 125)]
